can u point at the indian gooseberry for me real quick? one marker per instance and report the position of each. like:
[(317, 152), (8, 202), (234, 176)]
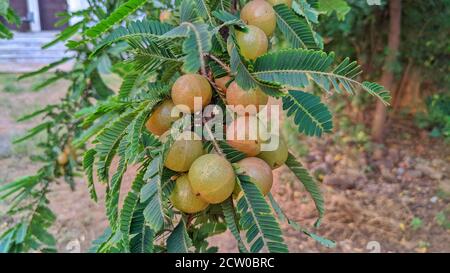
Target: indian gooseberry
[(189, 86), (259, 171), (252, 43), (243, 135), (222, 82), (278, 2), (212, 178), (260, 14), (184, 151), (161, 119), (62, 159), (184, 199), (236, 96), (277, 157), (70, 151)]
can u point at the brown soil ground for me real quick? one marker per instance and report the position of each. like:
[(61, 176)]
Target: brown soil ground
[(395, 197)]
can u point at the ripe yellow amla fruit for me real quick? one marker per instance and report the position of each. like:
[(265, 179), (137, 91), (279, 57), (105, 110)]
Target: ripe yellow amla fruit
[(70, 151), (260, 14), (63, 159), (277, 157), (222, 82), (212, 178), (183, 198), (189, 86), (259, 171), (240, 98), (183, 152), (252, 43), (243, 135), (161, 120), (277, 2)]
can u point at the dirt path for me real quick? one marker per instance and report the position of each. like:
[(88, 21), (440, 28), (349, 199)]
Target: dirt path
[(395, 198)]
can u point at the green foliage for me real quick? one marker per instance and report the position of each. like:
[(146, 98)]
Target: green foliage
[(339, 6), (298, 68), (437, 116), (309, 183), (262, 229), (416, 223), (231, 221), (282, 217), (312, 116), (179, 241), (295, 28), (116, 16), (10, 16), (149, 56)]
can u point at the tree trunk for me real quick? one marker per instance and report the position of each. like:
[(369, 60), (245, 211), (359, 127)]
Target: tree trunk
[(387, 78)]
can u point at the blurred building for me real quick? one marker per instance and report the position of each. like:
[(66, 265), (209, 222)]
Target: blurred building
[(24, 52)]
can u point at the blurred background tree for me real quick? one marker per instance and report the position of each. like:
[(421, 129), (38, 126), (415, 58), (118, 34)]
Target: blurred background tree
[(403, 43)]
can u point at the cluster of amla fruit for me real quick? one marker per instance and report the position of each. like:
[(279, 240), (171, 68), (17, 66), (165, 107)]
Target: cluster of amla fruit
[(209, 178)]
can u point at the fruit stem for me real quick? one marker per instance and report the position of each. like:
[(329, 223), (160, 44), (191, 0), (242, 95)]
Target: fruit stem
[(217, 60), (216, 146)]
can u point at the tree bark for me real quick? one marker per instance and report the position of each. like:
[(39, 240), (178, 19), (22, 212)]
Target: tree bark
[(387, 77)]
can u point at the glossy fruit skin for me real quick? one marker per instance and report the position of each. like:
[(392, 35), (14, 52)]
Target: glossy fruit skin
[(276, 158), (222, 83), (252, 44), (184, 199), (260, 14), (250, 142), (236, 96), (161, 120), (183, 152), (62, 159), (189, 86), (277, 2), (259, 171), (212, 178)]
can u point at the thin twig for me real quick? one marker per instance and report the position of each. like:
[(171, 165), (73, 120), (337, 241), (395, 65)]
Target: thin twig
[(216, 146), (217, 60)]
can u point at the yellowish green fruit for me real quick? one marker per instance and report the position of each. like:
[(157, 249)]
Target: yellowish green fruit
[(212, 178), (183, 152), (276, 158), (260, 14), (63, 159), (243, 135), (252, 43), (236, 96), (259, 171), (189, 86), (184, 199), (161, 120)]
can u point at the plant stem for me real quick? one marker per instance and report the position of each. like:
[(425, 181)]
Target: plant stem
[(217, 60)]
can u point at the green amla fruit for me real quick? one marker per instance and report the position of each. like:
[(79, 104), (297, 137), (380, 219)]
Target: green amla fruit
[(183, 152), (259, 172), (275, 158), (184, 199), (212, 178), (252, 43), (161, 119), (260, 14)]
